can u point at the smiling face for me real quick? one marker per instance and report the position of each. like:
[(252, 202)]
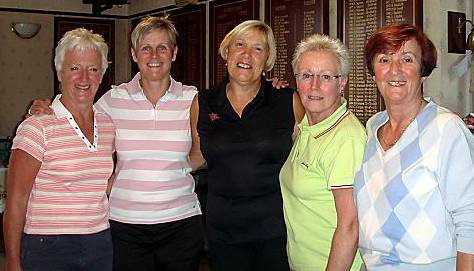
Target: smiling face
[(319, 84), (80, 76), (246, 57), (154, 55), (397, 74)]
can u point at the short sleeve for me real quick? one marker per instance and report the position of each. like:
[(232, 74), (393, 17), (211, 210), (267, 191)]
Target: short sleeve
[(102, 105), (30, 137), (344, 161)]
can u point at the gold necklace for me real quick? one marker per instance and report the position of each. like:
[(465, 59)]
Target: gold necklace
[(383, 130)]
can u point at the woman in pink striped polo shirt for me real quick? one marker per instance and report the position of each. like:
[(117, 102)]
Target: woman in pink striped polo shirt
[(56, 214)]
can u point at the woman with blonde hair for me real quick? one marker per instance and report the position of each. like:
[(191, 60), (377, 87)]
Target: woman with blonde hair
[(245, 128)]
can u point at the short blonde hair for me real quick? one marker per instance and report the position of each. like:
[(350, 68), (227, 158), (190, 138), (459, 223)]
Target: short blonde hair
[(150, 23), (241, 29), (319, 42), (81, 39)]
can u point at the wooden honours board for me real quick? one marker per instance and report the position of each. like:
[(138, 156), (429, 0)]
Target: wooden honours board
[(292, 21), (190, 65), (359, 20)]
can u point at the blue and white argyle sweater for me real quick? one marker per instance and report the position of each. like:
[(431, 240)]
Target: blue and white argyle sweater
[(415, 201)]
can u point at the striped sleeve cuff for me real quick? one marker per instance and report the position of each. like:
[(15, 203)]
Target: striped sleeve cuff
[(341, 187)]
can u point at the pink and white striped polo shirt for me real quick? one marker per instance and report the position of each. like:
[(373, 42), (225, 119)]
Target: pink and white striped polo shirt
[(152, 182), (68, 194)]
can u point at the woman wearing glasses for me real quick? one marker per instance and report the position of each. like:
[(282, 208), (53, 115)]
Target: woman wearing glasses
[(316, 179)]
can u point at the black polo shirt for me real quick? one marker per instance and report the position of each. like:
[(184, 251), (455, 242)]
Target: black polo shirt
[(244, 156)]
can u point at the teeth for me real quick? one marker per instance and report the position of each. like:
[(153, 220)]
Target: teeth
[(82, 87), (310, 97), (154, 65), (243, 66), (395, 83)]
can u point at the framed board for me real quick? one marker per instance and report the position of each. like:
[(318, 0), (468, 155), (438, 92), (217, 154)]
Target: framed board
[(292, 21), (360, 19)]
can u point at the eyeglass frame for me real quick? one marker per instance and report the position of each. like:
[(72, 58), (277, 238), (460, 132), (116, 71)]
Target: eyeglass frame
[(322, 80)]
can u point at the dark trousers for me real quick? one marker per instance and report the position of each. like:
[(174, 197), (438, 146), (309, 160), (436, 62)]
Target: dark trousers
[(67, 252), (261, 255), (172, 246)]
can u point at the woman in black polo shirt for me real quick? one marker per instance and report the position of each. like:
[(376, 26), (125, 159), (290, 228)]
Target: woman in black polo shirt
[(245, 129)]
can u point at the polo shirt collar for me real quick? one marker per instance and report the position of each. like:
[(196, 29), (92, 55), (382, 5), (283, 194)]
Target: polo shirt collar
[(175, 89), (325, 124), (60, 111)]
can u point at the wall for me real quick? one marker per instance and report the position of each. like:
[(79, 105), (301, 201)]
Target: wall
[(61, 5), (26, 67), (27, 71), (445, 88), (141, 6)]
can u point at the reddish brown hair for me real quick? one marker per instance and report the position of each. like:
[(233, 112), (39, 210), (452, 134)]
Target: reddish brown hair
[(391, 39)]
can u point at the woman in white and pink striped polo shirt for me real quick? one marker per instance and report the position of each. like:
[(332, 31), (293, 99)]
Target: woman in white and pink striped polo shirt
[(56, 214), (155, 215)]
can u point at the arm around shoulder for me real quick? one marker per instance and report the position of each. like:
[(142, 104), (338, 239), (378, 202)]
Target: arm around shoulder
[(40, 107)]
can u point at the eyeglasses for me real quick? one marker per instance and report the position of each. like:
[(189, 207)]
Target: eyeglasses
[(323, 78)]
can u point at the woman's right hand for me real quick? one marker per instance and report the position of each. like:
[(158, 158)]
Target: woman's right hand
[(40, 107)]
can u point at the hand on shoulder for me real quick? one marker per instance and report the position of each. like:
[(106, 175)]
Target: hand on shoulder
[(278, 83), (40, 107)]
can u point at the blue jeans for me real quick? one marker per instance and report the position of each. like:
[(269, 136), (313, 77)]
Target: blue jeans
[(67, 252)]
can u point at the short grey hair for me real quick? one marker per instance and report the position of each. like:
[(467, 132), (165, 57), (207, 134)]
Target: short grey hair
[(241, 29), (320, 42), (81, 39)]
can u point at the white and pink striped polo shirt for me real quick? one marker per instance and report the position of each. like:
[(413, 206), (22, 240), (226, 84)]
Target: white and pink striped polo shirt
[(152, 182), (68, 194)]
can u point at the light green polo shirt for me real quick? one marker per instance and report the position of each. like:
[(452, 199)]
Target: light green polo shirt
[(322, 158)]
